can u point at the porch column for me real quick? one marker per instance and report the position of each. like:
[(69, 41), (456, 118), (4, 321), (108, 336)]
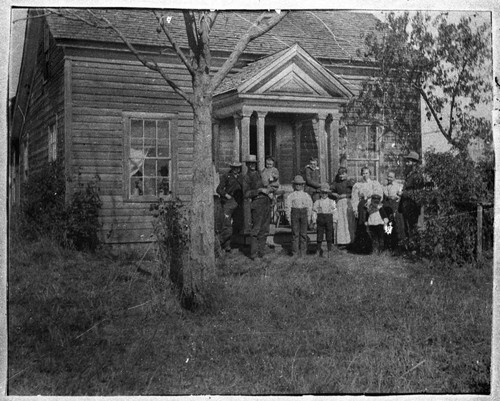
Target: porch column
[(215, 141), (236, 138), (322, 146), (334, 146), (245, 137), (261, 116), (296, 134)]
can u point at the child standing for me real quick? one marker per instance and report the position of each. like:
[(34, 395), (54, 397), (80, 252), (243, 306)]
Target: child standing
[(298, 210), (324, 216), (377, 221)]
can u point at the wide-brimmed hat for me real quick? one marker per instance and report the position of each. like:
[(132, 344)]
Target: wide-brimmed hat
[(412, 156), (235, 164), (325, 188), (298, 180), (376, 198), (251, 159)]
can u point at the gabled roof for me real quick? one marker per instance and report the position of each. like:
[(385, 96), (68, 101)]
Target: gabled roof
[(290, 71), (336, 35)]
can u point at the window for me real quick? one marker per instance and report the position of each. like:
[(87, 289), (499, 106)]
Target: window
[(148, 151), (358, 148), (52, 136)]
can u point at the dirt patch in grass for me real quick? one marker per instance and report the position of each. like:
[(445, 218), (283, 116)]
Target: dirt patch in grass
[(84, 324)]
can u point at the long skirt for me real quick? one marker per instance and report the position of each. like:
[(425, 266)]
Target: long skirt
[(346, 222)]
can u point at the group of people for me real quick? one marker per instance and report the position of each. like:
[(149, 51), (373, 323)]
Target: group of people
[(361, 217)]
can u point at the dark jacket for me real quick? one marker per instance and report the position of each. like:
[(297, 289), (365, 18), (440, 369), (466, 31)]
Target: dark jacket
[(250, 184), (230, 184), (313, 179)]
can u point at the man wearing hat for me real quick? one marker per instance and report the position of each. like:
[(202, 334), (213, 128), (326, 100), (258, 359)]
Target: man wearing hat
[(231, 195), (256, 197), (298, 210), (414, 181)]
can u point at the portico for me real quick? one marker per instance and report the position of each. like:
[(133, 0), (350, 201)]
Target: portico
[(287, 106)]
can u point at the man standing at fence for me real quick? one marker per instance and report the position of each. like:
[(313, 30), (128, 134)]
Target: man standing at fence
[(231, 196), (409, 207)]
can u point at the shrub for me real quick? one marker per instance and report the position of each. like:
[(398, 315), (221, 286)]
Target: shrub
[(44, 211), (42, 206), (458, 185), (82, 223)]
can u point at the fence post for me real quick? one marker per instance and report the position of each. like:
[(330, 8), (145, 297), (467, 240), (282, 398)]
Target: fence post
[(479, 248)]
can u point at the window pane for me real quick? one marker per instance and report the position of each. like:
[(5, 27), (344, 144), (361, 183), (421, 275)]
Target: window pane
[(150, 186), (136, 144), (150, 168), (163, 168), (136, 128), (136, 186), (150, 129), (163, 150), (151, 150), (163, 186), (163, 129)]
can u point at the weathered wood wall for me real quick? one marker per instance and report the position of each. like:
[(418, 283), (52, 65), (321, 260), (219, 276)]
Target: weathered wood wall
[(46, 105), (102, 90)]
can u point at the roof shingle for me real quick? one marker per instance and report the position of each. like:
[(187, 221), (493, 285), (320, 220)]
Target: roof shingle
[(336, 35)]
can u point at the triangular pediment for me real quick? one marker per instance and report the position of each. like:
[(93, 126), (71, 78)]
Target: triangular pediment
[(294, 72)]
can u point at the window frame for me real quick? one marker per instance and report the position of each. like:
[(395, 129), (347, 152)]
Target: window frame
[(173, 124), (52, 141), (371, 157)]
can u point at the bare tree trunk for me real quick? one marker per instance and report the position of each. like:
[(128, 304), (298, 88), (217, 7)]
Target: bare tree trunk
[(201, 267)]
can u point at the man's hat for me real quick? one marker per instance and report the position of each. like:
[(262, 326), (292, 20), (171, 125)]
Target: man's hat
[(376, 198), (298, 180), (251, 159), (235, 164), (412, 156), (325, 188)]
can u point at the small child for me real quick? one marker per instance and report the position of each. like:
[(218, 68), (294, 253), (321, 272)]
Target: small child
[(298, 210), (324, 216), (377, 221)]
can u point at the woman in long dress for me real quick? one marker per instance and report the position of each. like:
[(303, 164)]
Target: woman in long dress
[(341, 190), (361, 192)]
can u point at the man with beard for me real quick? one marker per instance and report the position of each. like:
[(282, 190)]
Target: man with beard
[(256, 195)]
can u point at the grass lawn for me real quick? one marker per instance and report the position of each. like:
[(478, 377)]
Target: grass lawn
[(83, 324)]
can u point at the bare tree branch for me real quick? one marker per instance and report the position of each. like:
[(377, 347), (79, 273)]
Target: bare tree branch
[(175, 46), (102, 22), (436, 117), (262, 25)]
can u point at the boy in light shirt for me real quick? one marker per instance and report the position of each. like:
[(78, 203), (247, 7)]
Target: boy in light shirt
[(324, 217), (298, 210)]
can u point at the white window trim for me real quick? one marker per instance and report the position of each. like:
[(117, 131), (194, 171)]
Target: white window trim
[(127, 118)]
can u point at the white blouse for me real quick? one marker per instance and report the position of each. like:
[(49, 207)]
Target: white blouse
[(364, 190)]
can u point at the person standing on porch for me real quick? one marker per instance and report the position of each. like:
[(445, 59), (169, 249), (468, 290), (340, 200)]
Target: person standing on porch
[(231, 196), (255, 192), (324, 217), (313, 178), (298, 210), (270, 176), (342, 190)]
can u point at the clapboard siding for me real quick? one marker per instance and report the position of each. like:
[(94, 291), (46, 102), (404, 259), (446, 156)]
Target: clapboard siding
[(101, 92), (46, 105)]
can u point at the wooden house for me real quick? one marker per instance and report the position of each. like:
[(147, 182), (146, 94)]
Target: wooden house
[(84, 99)]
